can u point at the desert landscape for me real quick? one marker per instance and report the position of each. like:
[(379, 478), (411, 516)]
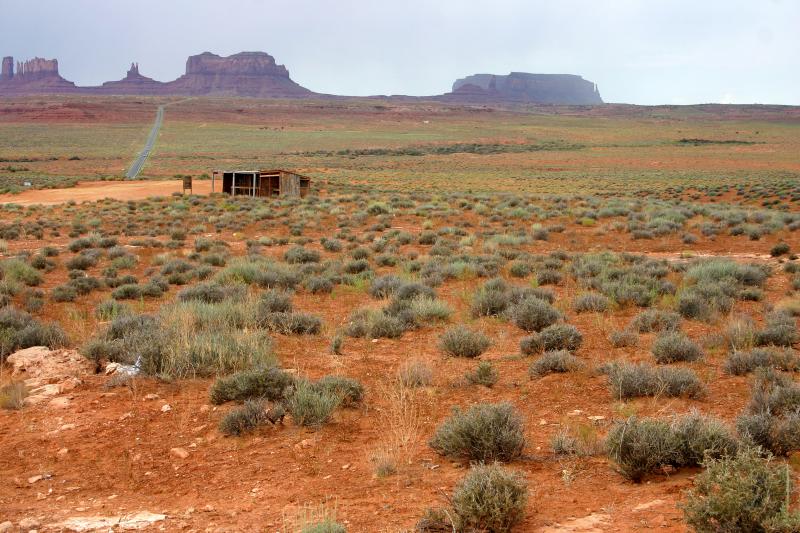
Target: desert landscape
[(506, 307)]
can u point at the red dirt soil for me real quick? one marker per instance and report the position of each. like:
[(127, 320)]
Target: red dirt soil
[(89, 191)]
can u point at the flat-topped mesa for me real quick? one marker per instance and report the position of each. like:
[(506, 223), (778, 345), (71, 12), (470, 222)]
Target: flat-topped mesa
[(242, 74), (567, 89), (241, 64)]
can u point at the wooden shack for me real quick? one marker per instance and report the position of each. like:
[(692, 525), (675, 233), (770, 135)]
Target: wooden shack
[(261, 183)]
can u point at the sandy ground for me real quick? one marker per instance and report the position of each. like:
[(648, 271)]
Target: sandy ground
[(89, 191)]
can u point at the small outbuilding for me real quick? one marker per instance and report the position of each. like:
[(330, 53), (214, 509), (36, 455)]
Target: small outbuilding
[(261, 183)]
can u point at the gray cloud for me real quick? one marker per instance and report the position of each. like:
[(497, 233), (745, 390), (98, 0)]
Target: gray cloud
[(638, 51)]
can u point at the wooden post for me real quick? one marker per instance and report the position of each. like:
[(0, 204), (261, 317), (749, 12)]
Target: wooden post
[(213, 179)]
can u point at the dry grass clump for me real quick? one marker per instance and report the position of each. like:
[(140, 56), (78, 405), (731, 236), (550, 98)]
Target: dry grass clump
[(484, 374), (12, 395), (675, 346)]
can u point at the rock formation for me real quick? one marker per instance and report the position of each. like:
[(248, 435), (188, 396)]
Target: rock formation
[(134, 83), (523, 87), (243, 74), (256, 74), (7, 72), (36, 75)]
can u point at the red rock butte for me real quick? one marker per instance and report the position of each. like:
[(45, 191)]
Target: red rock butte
[(256, 74)]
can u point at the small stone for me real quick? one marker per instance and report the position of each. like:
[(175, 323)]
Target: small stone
[(166, 408), (59, 403), (62, 453), (29, 523), (6, 526), (111, 368), (596, 418), (345, 467), (204, 408), (151, 396), (67, 427), (34, 479), (180, 453)]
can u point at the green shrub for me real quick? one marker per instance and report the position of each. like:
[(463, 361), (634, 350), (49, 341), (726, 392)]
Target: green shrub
[(64, 293), (490, 498), (591, 302), (530, 345), (630, 380), (655, 320), (779, 249), (674, 346), (460, 341), (484, 374), (560, 337), (270, 383), (300, 255), (558, 361), (349, 391), (244, 419), (623, 337), (740, 363), (641, 446), (701, 438), (743, 493), (533, 314), (780, 330), (311, 406), (111, 309), (127, 292), (484, 432), (20, 330), (490, 302), (291, 323)]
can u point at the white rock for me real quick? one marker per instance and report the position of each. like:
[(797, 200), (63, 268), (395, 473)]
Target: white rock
[(166, 408), (29, 523), (6, 526), (180, 453)]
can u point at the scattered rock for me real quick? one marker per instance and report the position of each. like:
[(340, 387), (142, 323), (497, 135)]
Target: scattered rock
[(6, 526), (180, 453), (61, 402), (166, 408), (140, 520), (588, 524), (647, 505), (151, 396), (29, 523)]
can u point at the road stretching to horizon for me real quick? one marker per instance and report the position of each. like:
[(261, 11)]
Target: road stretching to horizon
[(140, 160)]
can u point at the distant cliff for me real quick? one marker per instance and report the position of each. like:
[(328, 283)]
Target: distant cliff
[(256, 74), (567, 89), (245, 74), (36, 75)]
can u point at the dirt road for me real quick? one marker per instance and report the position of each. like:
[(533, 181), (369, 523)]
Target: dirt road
[(96, 190)]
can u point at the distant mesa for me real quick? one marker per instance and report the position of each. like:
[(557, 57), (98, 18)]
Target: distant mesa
[(256, 74), (524, 87), (34, 75)]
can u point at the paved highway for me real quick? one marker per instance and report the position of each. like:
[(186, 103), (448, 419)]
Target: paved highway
[(140, 160)]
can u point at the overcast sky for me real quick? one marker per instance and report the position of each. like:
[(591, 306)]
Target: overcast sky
[(637, 51)]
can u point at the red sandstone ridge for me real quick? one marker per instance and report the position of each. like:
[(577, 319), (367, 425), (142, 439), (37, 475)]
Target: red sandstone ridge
[(524, 87)]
